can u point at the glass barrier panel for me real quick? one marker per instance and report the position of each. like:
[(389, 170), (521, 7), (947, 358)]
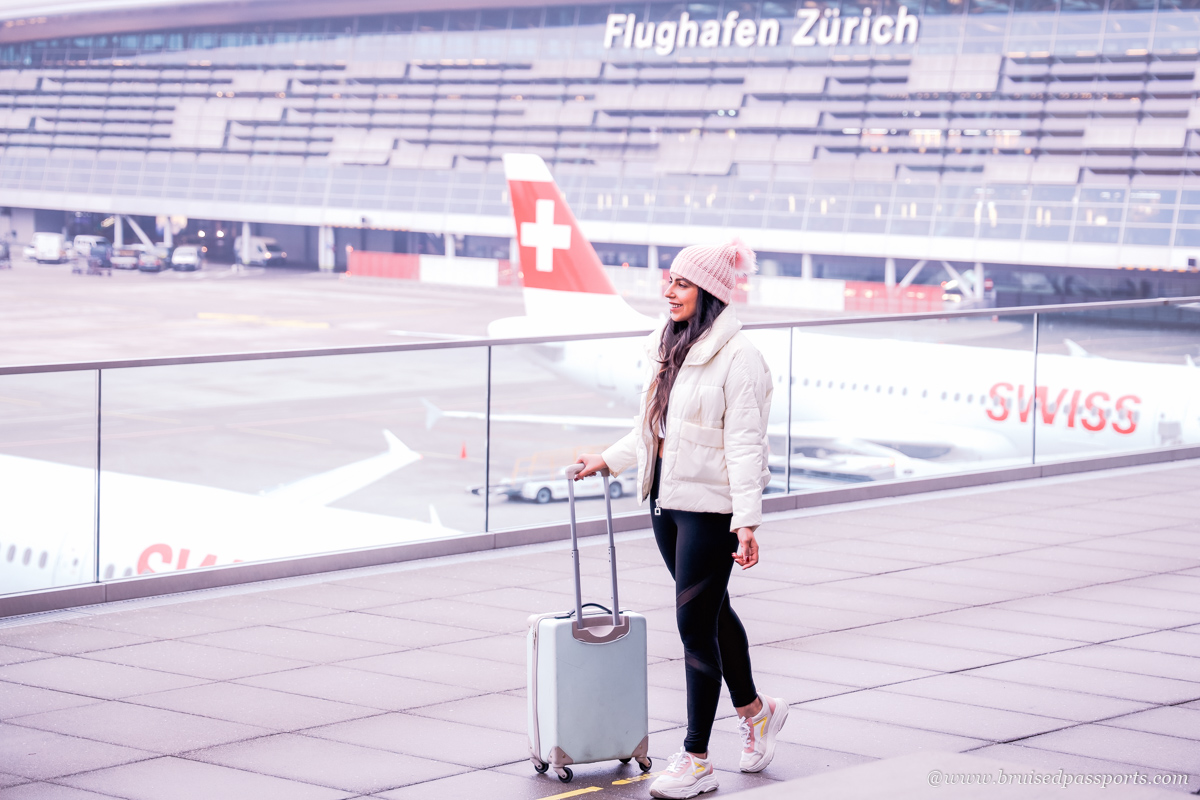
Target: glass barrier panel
[(892, 400), (208, 464), (1121, 380), (47, 480), (550, 403)]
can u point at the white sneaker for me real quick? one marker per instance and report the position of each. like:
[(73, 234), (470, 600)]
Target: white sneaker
[(686, 776), (758, 734)]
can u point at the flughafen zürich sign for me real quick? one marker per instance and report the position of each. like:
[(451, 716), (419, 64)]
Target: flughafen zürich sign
[(817, 27)]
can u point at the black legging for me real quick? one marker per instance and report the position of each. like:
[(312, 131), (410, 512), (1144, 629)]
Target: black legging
[(698, 547)]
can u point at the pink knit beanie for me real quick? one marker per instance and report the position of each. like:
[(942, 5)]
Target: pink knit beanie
[(715, 267)]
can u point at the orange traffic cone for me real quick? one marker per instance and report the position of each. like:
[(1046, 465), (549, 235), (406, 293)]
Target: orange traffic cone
[(463, 454)]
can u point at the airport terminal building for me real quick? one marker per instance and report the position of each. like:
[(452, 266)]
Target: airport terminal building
[(853, 139)]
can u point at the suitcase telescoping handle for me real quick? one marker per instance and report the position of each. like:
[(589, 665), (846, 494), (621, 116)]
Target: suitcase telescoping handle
[(580, 626)]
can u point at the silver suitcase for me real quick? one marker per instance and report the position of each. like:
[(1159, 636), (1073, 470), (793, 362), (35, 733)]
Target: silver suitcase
[(587, 682)]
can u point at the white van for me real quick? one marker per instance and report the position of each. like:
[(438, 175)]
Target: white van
[(49, 248), (264, 252)]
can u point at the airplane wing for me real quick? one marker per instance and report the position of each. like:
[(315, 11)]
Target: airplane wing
[(331, 486)]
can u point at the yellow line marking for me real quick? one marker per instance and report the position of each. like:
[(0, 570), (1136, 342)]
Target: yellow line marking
[(281, 435), (575, 793), (15, 401), (636, 778)]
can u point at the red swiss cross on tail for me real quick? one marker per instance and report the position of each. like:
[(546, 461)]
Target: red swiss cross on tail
[(554, 253)]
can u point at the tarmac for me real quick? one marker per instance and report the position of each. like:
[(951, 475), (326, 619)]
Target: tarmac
[(1051, 627)]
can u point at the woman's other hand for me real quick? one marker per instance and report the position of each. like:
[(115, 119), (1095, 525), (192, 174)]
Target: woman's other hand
[(747, 552), (592, 463)]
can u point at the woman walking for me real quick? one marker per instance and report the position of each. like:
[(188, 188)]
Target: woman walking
[(700, 447)]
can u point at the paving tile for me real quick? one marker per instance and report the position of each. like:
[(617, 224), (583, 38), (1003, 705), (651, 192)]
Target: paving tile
[(850, 644), (154, 729), (429, 738), (1005, 619), (449, 612), (303, 645), (7, 780), (500, 711), (1129, 594), (835, 596), (426, 665), (862, 737), (414, 582), (831, 669), (894, 551), (510, 648), (972, 690), (92, 678), (1169, 721), (1057, 675), (359, 687), (49, 791), (249, 609), (1152, 750), (197, 660), (15, 655), (1178, 642), (38, 755), (904, 584), (1050, 761), (330, 595), (162, 622), (1138, 662), (987, 640), (181, 779), (990, 724), (791, 760), (962, 575), (325, 762), (846, 562), (254, 705), (478, 784), (62, 638), (17, 700), (522, 599), (1140, 616), (1026, 563), (1071, 554), (398, 633)]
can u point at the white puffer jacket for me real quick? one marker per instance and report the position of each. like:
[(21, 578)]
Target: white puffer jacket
[(715, 449)]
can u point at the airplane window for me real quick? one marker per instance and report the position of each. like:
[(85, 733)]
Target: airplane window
[(853, 386), (843, 386), (639, 365), (817, 385), (109, 570), (943, 395), (42, 560), (128, 571), (12, 551), (956, 396), (983, 400), (806, 381), (28, 554), (970, 398), (879, 389), (924, 393), (904, 391), (891, 389)]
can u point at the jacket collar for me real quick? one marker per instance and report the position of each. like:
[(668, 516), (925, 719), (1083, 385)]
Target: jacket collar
[(724, 327)]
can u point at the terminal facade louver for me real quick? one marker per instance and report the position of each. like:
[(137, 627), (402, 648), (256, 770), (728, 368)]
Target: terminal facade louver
[(1049, 133)]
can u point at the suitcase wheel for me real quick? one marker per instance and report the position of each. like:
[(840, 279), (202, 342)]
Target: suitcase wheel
[(624, 760), (540, 768), (565, 775), (645, 764)]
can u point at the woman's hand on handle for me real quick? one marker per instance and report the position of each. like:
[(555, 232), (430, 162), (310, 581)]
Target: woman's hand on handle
[(747, 552), (592, 463)]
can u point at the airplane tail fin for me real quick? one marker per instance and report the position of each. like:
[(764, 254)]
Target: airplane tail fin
[(561, 273)]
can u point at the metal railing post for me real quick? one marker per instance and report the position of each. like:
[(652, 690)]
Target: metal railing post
[(1033, 401), (787, 470), (96, 523), (487, 445)]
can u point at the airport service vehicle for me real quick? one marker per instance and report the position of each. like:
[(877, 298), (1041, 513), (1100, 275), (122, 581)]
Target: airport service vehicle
[(81, 245), (546, 488), (264, 252), (5, 256), (28, 252), (587, 686), (99, 260), (186, 258), (49, 248), (157, 525), (926, 407)]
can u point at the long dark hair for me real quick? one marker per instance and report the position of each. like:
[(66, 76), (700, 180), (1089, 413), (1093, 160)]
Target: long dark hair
[(677, 341)]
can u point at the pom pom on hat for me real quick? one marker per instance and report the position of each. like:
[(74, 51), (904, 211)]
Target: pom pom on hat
[(744, 259), (715, 268)]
